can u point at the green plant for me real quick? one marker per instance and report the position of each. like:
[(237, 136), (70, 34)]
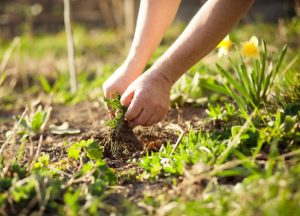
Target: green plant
[(223, 113), (187, 89), (33, 124), (91, 148), (118, 109), (255, 195), (252, 83), (278, 128), (36, 122), (194, 148), (64, 191)]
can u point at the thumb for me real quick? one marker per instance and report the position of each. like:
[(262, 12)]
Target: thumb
[(127, 97)]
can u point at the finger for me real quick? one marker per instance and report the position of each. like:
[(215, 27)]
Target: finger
[(151, 121), (109, 110), (144, 116), (106, 92), (134, 110), (156, 119), (126, 98)]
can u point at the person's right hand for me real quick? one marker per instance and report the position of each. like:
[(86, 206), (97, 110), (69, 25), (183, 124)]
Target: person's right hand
[(119, 81)]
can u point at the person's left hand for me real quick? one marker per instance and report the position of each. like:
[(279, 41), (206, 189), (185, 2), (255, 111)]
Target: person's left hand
[(147, 99)]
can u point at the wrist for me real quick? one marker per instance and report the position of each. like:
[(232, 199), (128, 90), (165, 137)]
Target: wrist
[(135, 64), (131, 69), (159, 76), (166, 72)]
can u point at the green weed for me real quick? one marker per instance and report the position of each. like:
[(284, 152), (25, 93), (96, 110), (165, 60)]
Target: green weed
[(194, 147), (217, 112), (33, 123), (256, 195), (64, 191), (91, 148), (118, 109)]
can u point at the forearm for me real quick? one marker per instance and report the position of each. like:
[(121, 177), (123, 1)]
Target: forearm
[(154, 18), (210, 25)]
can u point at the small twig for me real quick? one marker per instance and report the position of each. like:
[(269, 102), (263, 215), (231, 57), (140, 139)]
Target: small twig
[(83, 178), (8, 53), (62, 172), (38, 193), (118, 187), (29, 206), (14, 132), (80, 165), (38, 151), (5, 169), (236, 138), (46, 200), (70, 42), (178, 128)]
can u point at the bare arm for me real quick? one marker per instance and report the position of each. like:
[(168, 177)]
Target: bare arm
[(154, 18), (148, 96), (210, 25)]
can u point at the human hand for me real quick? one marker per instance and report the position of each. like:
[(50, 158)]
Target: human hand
[(118, 82), (147, 99)]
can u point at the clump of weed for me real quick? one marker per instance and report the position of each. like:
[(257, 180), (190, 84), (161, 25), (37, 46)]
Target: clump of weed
[(121, 141)]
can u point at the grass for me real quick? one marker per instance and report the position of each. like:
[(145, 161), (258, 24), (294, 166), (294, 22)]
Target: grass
[(240, 159)]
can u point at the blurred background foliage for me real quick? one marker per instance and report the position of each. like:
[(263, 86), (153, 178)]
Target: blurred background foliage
[(36, 16), (103, 30)]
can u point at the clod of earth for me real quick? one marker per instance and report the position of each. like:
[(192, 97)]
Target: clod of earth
[(121, 142)]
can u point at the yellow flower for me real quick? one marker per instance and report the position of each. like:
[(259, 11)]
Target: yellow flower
[(250, 48), (224, 46)]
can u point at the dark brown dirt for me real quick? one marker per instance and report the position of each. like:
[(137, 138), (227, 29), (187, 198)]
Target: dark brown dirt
[(121, 142)]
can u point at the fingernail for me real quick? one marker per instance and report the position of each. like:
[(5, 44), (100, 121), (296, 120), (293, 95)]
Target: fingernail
[(131, 124)]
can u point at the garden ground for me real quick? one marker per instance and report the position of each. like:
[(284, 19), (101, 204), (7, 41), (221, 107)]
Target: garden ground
[(213, 154)]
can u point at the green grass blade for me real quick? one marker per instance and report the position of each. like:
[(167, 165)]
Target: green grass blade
[(263, 61), (245, 76), (240, 102), (231, 81), (239, 74), (280, 59), (214, 87)]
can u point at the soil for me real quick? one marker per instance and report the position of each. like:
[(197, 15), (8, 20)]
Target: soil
[(121, 142), (90, 118)]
